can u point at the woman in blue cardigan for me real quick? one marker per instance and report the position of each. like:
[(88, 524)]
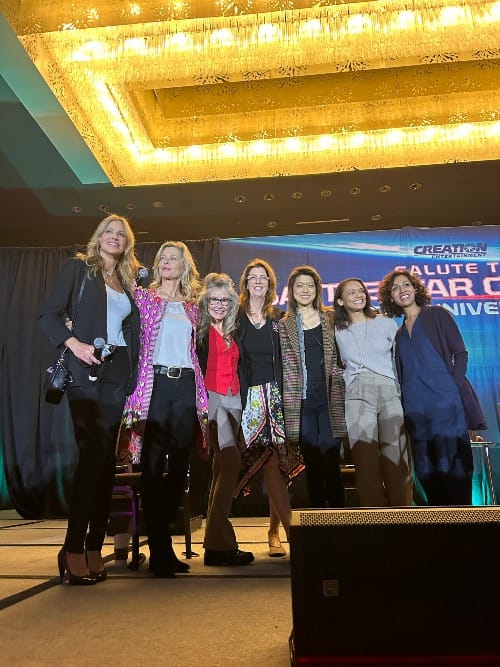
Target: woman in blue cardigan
[(439, 403)]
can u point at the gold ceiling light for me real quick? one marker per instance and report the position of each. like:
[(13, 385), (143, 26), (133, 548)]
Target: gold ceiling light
[(199, 90)]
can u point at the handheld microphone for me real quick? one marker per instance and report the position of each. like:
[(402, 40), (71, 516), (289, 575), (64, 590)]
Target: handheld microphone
[(99, 344), (142, 276)]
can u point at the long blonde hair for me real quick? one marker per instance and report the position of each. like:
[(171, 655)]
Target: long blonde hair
[(127, 265), (212, 281), (190, 278)]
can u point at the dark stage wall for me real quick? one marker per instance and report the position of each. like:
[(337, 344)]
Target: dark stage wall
[(37, 443), (461, 266)]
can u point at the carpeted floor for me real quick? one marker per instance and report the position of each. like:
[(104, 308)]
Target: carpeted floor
[(209, 617)]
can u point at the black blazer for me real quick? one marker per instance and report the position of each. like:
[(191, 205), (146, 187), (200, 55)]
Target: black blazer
[(91, 318)]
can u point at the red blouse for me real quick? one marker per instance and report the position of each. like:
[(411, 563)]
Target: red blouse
[(222, 364)]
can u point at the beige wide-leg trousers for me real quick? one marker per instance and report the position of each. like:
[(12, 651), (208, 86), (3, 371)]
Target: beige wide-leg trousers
[(378, 441)]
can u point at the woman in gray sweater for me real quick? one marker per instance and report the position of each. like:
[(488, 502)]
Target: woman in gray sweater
[(373, 411)]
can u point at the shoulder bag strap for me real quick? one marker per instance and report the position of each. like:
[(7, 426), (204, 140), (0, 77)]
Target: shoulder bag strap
[(80, 294)]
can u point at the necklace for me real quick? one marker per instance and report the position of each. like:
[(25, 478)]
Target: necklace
[(257, 322), (170, 297), (109, 274), (311, 320), (362, 347)]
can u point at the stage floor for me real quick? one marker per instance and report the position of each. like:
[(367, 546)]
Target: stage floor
[(211, 616)]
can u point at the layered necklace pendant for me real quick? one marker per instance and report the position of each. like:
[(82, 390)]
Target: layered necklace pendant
[(258, 324), (109, 276)]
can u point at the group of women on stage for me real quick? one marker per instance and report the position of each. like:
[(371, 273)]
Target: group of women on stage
[(262, 389)]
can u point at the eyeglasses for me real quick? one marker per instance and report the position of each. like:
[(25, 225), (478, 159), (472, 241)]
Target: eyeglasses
[(214, 301), (255, 279)]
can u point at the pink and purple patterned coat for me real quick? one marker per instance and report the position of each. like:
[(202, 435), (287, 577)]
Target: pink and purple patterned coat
[(152, 308)]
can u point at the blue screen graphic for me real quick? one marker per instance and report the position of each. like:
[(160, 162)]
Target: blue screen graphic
[(459, 265)]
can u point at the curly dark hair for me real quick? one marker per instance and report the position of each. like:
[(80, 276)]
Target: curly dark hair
[(342, 319), (387, 305)]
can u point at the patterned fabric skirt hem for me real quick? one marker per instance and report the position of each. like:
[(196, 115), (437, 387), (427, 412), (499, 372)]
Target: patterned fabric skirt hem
[(257, 455), (262, 426)]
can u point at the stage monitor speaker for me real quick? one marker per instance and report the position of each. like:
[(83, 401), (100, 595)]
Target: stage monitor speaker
[(389, 586)]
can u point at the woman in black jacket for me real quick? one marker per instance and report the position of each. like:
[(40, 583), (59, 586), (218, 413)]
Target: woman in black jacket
[(262, 421), (92, 300)]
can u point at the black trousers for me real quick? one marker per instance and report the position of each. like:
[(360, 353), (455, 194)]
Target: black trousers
[(96, 412), (168, 436), (321, 450)]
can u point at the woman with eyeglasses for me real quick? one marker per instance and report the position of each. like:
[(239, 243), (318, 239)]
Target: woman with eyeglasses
[(373, 410), (439, 402), (170, 400), (313, 387), (219, 355), (262, 423)]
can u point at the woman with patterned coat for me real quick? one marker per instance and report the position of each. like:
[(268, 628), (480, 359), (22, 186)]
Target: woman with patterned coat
[(313, 388), (160, 417)]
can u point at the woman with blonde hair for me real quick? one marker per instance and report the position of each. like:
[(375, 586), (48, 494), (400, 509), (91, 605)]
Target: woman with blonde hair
[(262, 423), (219, 356), (313, 388), (161, 416), (93, 292)]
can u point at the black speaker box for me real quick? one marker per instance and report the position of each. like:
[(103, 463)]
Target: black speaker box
[(396, 586)]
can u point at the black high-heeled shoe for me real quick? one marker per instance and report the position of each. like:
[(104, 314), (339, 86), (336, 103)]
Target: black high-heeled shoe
[(97, 575), (66, 574)]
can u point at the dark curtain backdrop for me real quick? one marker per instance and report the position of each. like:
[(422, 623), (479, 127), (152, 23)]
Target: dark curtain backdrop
[(38, 452)]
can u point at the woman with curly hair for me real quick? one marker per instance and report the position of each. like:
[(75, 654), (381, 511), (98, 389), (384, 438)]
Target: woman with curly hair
[(219, 355), (313, 388), (438, 401), (373, 411), (92, 300), (262, 420), (161, 416)]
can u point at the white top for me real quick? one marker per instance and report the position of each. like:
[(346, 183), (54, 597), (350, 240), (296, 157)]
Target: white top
[(368, 346), (173, 346), (118, 309)]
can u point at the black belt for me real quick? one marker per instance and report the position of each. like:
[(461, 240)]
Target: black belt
[(174, 372)]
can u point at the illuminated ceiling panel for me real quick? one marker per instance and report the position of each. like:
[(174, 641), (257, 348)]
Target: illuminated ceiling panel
[(199, 91)]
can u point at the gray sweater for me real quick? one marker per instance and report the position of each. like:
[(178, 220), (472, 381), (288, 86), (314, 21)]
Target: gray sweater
[(368, 346)]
